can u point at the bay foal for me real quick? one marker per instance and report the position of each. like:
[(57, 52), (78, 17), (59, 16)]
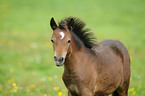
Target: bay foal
[(90, 69)]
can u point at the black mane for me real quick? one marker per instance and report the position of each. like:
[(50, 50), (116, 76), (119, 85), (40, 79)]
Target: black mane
[(80, 31)]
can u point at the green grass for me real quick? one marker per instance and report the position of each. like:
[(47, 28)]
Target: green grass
[(26, 53)]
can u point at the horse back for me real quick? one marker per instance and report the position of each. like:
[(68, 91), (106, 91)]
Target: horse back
[(114, 46)]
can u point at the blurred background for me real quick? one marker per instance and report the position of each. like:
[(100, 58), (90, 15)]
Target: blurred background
[(27, 67)]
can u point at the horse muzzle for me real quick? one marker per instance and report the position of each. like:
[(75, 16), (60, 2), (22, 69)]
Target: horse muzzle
[(59, 61)]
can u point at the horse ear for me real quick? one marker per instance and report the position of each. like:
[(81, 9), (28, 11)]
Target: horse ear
[(70, 24), (53, 24)]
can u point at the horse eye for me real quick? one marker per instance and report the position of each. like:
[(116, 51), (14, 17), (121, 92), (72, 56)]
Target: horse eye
[(52, 41), (68, 41)]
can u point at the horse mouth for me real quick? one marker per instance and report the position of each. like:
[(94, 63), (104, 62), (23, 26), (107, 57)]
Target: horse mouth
[(59, 64)]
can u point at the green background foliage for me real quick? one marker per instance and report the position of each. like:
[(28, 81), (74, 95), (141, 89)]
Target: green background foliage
[(27, 67)]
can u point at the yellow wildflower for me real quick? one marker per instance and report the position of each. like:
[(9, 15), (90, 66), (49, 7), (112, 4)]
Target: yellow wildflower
[(14, 84), (16, 87), (15, 91), (11, 91), (130, 90), (11, 70), (32, 86), (133, 93), (59, 93), (27, 90)]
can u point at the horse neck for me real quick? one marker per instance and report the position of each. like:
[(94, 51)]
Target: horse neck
[(75, 55)]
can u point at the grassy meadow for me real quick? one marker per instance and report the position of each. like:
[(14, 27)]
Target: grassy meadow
[(27, 67)]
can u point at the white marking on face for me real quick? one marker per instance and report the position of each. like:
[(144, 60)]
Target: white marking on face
[(62, 35)]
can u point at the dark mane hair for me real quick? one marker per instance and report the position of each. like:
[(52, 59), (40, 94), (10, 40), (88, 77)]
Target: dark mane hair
[(80, 31)]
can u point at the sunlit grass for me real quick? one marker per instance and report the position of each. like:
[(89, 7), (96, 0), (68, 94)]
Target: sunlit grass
[(26, 54)]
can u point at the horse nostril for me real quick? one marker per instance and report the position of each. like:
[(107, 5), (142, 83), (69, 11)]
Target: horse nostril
[(55, 58), (60, 59)]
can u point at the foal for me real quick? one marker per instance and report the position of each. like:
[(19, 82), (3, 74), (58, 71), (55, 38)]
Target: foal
[(90, 69)]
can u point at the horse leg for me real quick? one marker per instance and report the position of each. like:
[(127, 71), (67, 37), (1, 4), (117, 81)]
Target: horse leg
[(122, 90), (115, 93), (123, 87), (120, 93), (69, 94)]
